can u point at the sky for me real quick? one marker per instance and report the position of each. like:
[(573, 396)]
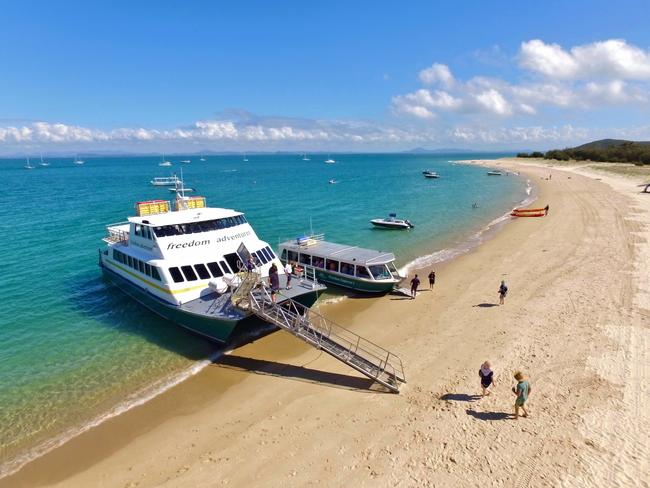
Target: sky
[(172, 76)]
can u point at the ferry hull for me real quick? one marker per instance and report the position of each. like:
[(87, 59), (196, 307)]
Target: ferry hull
[(213, 328), (354, 284)]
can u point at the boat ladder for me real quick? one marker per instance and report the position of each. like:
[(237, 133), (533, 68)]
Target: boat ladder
[(368, 358)]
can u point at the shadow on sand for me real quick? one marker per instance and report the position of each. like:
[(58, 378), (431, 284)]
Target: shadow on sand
[(487, 305), (460, 397), (298, 373), (489, 415)]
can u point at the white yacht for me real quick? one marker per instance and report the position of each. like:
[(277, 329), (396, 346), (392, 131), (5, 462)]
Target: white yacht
[(201, 158), (186, 161), (164, 162), (78, 161), (305, 158), (182, 264), (29, 165), (329, 160), (45, 164), (166, 181), (392, 222)]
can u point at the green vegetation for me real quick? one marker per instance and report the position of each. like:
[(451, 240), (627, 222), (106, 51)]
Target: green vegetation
[(605, 150)]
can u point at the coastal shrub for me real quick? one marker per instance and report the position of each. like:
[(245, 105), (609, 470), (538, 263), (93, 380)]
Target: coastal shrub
[(604, 151)]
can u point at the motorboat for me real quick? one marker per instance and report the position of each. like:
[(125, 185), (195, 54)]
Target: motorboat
[(392, 222), (186, 161), (329, 160), (430, 174), (332, 181), (494, 173), (356, 268)]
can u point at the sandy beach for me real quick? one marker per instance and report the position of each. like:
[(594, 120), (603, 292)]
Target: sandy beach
[(278, 413)]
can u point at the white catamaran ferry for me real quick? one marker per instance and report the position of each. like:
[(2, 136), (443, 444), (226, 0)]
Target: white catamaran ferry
[(182, 264), (352, 267)]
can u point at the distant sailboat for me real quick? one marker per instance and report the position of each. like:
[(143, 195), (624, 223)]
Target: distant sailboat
[(202, 158), (329, 160), (78, 161), (43, 163), (29, 165), (305, 158), (245, 158), (164, 162)]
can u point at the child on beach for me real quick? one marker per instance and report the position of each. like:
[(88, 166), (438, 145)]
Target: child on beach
[(415, 282), (503, 291), (487, 377), (522, 390)]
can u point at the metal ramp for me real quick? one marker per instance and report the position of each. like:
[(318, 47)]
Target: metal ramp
[(361, 354)]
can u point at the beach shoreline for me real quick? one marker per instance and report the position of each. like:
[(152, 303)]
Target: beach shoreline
[(265, 388)]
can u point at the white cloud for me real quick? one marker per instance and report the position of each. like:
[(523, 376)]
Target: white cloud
[(608, 73), (437, 73), (613, 59)]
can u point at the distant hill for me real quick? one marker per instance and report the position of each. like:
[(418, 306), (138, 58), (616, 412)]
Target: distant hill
[(604, 150)]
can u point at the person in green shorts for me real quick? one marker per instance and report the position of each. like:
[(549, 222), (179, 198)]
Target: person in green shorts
[(522, 390)]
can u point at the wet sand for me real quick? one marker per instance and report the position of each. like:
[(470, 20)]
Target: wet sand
[(278, 413)]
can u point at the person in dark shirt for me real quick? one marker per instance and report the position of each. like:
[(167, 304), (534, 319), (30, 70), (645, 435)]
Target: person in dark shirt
[(274, 281), (503, 291), (487, 377), (415, 282), (432, 279)]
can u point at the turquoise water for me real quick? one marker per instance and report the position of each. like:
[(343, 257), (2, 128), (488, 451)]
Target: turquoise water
[(75, 349)]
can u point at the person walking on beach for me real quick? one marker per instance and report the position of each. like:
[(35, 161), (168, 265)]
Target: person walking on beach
[(487, 377), (546, 210), (274, 281), (432, 279), (288, 269), (415, 282), (503, 291), (522, 390)]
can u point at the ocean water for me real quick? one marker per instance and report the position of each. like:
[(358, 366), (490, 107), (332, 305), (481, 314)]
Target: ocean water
[(74, 350)]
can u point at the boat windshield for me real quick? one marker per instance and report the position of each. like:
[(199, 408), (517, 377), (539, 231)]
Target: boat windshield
[(393, 270), (380, 272)]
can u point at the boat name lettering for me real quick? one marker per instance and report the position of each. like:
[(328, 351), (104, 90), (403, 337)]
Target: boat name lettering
[(188, 244), (206, 242)]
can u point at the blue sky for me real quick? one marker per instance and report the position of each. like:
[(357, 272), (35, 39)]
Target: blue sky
[(148, 76)]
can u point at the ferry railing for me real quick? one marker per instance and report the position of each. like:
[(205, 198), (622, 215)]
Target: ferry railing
[(365, 356), (114, 234)]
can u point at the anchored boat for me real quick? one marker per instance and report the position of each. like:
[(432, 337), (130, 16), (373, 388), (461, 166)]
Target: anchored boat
[(392, 222), (184, 264), (494, 173), (352, 267), (166, 181), (430, 174)]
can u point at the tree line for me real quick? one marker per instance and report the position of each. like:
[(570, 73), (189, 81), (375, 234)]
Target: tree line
[(627, 152)]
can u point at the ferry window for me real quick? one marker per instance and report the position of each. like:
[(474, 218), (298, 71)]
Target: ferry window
[(147, 269), (293, 256), (318, 262), (225, 267), (202, 271), (221, 224), (148, 231), (116, 255), (380, 271), (261, 257), (176, 275), (268, 249), (206, 225), (215, 270), (154, 273), (266, 254), (283, 256), (136, 229), (195, 228), (130, 263), (393, 270), (305, 259), (332, 265), (189, 273), (347, 269), (362, 272), (141, 266), (234, 261)]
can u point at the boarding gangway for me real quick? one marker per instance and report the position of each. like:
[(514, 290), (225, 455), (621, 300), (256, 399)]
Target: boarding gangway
[(368, 358)]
